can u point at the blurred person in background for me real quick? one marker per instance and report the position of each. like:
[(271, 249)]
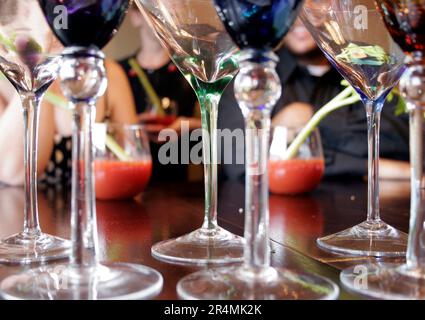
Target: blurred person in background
[(309, 82), (151, 68)]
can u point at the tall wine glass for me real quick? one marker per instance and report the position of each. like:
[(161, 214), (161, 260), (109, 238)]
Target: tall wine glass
[(200, 47), (353, 37), (30, 61), (405, 19), (257, 27), (90, 24)]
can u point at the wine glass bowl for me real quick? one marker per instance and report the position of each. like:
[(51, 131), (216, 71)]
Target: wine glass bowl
[(257, 26), (194, 36), (30, 72), (296, 174), (27, 46), (123, 163), (405, 21), (357, 44), (353, 37), (72, 21)]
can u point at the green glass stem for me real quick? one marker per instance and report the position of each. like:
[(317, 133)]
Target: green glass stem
[(209, 95)]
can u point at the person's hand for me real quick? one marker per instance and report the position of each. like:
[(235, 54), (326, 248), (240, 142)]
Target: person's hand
[(294, 115), (185, 123), (153, 128)]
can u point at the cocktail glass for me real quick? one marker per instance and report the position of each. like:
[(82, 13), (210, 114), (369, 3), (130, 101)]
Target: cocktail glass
[(405, 19), (354, 39), (30, 60), (90, 24), (200, 47), (257, 27)]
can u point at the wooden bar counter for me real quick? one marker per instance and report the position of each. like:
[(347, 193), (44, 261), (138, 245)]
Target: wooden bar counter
[(127, 229)]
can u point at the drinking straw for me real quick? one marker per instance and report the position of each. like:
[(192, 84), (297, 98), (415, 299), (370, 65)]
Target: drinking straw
[(150, 91), (347, 97)]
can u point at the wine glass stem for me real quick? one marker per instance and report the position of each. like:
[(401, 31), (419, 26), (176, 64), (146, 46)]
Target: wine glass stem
[(83, 223), (209, 109), (257, 130), (412, 86), (31, 114), (373, 111), (257, 89), (83, 81), (415, 251)]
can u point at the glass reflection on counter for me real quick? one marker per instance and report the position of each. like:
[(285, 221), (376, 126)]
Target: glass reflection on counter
[(124, 229), (53, 219), (296, 221)]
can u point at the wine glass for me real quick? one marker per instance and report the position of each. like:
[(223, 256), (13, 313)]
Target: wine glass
[(405, 19), (30, 61), (90, 24), (123, 162), (353, 37), (200, 47), (300, 173), (257, 27)]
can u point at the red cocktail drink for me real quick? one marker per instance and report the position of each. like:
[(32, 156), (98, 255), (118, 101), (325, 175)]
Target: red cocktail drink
[(121, 179), (295, 175)]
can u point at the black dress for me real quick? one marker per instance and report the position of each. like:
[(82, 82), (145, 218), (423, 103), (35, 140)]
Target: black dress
[(343, 132), (59, 168), (167, 81)]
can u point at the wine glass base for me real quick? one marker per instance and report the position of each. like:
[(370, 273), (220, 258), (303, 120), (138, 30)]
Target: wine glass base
[(100, 282), (22, 248), (385, 281), (200, 247), (376, 239), (240, 283)]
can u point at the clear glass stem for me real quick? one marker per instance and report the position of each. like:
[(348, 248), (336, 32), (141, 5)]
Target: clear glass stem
[(83, 220), (373, 111), (412, 86), (83, 81), (31, 114), (257, 130), (257, 89), (416, 252)]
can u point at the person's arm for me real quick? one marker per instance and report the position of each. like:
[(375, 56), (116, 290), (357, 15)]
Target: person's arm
[(394, 144), (11, 145), (11, 141), (120, 97), (394, 169)]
